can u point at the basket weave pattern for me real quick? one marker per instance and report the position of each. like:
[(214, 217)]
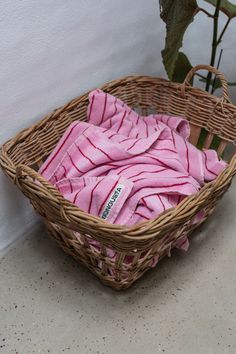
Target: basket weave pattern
[(21, 157)]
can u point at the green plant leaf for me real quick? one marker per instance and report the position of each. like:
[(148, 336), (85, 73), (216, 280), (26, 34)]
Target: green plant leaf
[(182, 67), (202, 137), (177, 14), (217, 83), (232, 83), (226, 7)]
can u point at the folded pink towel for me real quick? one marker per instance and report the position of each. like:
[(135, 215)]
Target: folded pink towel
[(128, 168)]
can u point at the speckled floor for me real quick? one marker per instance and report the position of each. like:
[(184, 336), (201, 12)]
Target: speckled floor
[(187, 305)]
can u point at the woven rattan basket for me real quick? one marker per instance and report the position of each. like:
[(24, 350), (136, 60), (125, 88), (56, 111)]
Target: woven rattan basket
[(22, 156)]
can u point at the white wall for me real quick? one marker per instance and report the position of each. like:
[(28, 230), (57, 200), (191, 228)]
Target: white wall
[(51, 51)]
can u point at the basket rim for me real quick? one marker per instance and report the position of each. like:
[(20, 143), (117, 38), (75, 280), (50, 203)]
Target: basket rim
[(157, 224), (113, 84)]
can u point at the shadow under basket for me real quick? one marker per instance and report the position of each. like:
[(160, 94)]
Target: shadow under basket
[(135, 247)]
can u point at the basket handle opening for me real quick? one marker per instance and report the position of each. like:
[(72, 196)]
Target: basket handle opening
[(29, 181), (219, 75)]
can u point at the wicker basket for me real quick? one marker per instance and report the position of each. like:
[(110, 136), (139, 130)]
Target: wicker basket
[(22, 156)]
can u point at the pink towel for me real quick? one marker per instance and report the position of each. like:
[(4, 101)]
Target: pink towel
[(128, 168)]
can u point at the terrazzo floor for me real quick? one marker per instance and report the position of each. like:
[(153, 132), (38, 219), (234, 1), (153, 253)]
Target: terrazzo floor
[(186, 305)]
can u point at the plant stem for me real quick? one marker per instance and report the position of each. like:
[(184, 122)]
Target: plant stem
[(217, 67), (214, 43), (200, 75), (223, 31), (205, 12)]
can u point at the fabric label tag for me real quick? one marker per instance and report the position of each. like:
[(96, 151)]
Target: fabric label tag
[(112, 201)]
